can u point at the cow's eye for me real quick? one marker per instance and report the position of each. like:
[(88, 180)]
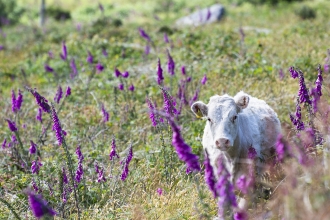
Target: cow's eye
[(234, 118), (209, 120)]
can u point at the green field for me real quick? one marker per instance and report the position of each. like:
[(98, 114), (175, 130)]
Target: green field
[(275, 38)]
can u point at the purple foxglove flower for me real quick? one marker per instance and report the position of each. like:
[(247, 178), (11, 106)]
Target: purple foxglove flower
[(169, 103), (19, 100), (125, 74), (39, 115), (33, 148), (160, 191), (2, 47), (166, 38), (326, 67), (315, 99), (58, 95), (65, 177), (101, 7), (68, 91), (131, 88), (96, 167), (14, 139), (281, 74), (188, 79), (50, 55), (159, 73), (57, 126), (242, 34), (121, 86), (208, 15), (152, 115), (209, 177), (125, 171), (13, 101), (195, 97), (90, 58), (48, 68), (79, 173), (241, 216), (282, 149), (204, 79), (39, 206), (41, 101), (11, 125), (183, 70), (64, 53), (224, 189), (113, 152), (101, 177), (303, 91), (99, 67), (4, 143), (242, 184), (170, 64), (182, 149), (147, 49), (144, 35), (79, 154), (105, 53), (35, 186), (294, 73), (35, 167), (117, 73), (105, 114), (73, 68), (252, 153), (319, 81)]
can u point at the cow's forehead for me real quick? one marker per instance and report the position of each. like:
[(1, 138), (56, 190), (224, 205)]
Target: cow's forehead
[(221, 104)]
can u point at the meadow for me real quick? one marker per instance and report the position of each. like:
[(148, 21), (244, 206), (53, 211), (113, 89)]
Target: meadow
[(111, 162)]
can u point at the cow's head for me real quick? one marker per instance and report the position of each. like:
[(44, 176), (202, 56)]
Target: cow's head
[(222, 115)]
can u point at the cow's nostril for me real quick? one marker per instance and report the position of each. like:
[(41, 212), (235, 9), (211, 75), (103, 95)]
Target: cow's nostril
[(217, 143), (227, 142)]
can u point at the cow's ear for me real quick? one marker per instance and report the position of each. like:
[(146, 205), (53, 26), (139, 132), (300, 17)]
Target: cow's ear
[(242, 100), (199, 109)]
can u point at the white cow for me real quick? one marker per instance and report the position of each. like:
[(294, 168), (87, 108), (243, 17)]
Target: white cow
[(233, 125)]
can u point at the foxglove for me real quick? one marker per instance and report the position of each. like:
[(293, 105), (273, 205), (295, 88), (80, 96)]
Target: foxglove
[(113, 152), (159, 73), (99, 67), (204, 79), (128, 159), (144, 35), (64, 53), (58, 95), (90, 58), (131, 88), (33, 148), (39, 115), (57, 126), (105, 114), (73, 68), (48, 68), (152, 115), (170, 64), (39, 206), (209, 175), (68, 91), (11, 125)]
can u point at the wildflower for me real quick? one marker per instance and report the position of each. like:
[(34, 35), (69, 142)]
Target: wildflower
[(101, 176), (4, 143), (147, 49), (224, 189), (58, 95), (39, 206), (242, 184), (326, 67), (33, 147), (170, 64), (96, 167), (129, 157), (294, 73), (48, 68), (105, 114), (144, 35), (73, 68), (166, 38), (41, 101), (152, 115), (99, 67), (13, 101), (79, 154), (282, 149), (204, 79), (64, 53), (101, 7), (68, 91), (50, 54), (113, 152), (104, 52), (39, 115), (252, 153), (195, 97), (121, 86), (131, 88), (65, 177), (11, 125), (209, 175), (35, 186), (303, 92), (117, 73), (168, 103), (240, 216), (90, 58), (79, 171), (159, 73), (183, 70), (125, 74), (35, 167), (160, 191), (19, 100), (57, 126), (183, 150), (188, 79), (319, 81)]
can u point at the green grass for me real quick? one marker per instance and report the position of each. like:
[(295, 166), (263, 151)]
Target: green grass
[(216, 50)]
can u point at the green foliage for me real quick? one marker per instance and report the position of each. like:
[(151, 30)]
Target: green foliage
[(306, 12), (10, 12), (57, 13), (270, 2)]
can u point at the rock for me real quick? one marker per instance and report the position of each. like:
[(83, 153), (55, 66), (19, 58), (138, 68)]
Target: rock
[(203, 16)]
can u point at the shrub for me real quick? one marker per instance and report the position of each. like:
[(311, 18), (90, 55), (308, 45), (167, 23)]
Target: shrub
[(306, 12), (58, 13)]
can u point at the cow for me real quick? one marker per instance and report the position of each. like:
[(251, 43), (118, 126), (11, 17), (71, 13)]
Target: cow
[(234, 124)]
